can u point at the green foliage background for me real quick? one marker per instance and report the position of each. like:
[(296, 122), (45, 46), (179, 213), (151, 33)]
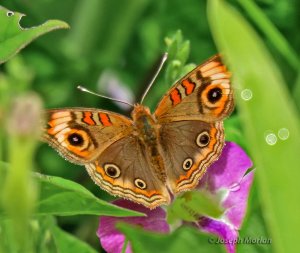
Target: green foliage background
[(126, 38)]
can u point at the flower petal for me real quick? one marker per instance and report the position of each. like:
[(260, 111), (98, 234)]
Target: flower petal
[(228, 170), (226, 232), (112, 240), (236, 202)]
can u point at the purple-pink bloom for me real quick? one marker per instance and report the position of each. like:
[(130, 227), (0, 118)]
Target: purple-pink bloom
[(112, 240), (226, 180)]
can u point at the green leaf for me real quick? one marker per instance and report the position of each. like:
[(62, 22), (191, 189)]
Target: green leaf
[(269, 119), (64, 197), (185, 239), (296, 91), (191, 205), (178, 52), (271, 32), (254, 227), (66, 242), (13, 37)]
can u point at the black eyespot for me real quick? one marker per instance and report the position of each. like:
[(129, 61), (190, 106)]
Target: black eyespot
[(214, 95), (112, 170), (10, 13), (203, 139), (140, 183), (75, 139), (187, 164)]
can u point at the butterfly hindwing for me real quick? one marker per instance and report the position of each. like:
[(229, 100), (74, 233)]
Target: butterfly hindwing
[(189, 148), (124, 169)]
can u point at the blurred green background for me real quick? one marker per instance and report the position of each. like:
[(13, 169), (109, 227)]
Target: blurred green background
[(120, 42)]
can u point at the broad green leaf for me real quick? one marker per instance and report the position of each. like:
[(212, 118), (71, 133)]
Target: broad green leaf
[(192, 205), (63, 197), (13, 37), (58, 183), (7, 241), (184, 239), (41, 237), (269, 120), (296, 91), (66, 242), (254, 227), (271, 32)]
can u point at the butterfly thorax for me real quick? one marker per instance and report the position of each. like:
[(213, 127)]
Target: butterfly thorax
[(147, 131)]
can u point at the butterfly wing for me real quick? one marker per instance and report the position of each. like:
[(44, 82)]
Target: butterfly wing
[(203, 94), (105, 143), (125, 169), (190, 115), (81, 135), (189, 148)]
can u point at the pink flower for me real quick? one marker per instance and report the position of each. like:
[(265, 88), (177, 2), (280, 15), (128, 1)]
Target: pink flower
[(112, 240), (226, 180)]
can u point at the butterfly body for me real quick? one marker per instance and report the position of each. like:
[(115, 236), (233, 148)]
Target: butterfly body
[(148, 157), (147, 132)]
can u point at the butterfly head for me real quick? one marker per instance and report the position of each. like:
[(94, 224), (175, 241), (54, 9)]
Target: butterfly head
[(139, 111)]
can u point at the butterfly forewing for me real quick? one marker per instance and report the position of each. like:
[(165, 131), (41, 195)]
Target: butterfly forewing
[(203, 94), (80, 135)]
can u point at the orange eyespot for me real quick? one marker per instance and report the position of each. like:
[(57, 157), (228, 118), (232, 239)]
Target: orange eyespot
[(77, 138), (214, 95)]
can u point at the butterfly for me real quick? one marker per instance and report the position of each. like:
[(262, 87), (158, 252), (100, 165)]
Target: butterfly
[(149, 157)]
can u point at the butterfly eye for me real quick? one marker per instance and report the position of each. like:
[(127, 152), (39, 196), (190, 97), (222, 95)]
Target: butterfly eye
[(203, 139), (140, 183), (75, 139), (214, 95), (187, 164), (112, 170)]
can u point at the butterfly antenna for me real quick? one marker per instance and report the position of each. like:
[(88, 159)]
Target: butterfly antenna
[(163, 60), (102, 96)]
